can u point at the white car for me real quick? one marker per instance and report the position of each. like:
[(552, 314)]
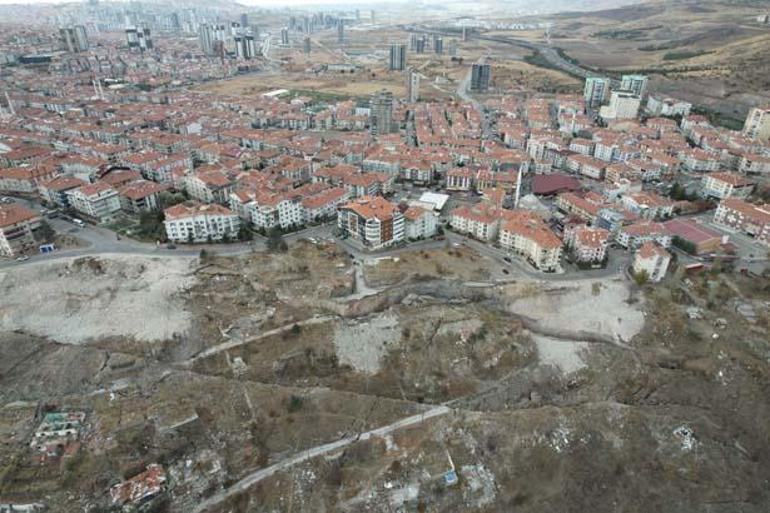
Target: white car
[(22, 258)]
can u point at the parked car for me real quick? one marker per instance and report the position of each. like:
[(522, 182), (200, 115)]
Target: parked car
[(22, 258)]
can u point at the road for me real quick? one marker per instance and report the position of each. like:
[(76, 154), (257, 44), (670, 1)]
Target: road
[(308, 454), (464, 85), (100, 241)]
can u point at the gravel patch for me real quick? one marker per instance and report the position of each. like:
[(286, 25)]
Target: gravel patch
[(577, 307), (82, 299), (565, 355), (363, 344)]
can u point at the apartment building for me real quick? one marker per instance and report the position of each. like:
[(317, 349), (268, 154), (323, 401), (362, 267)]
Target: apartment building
[(17, 226), (197, 222), (623, 105), (209, 187), (527, 235), (697, 160), (587, 244), (596, 91), (324, 205), (648, 205), (753, 220), (585, 209), (481, 221), (55, 191), (660, 106), (586, 166), (757, 124), (420, 223), (653, 260), (634, 235), (372, 221), (726, 185), (460, 179), (98, 201), (140, 196)]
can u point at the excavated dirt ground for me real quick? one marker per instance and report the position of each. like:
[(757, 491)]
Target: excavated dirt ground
[(554, 404)]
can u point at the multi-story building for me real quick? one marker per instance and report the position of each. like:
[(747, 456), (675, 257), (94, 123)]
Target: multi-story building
[(460, 179), (98, 201), (527, 235), (196, 222), (587, 244), (652, 260), (74, 39), (140, 196), (573, 204), (623, 105), (397, 56), (753, 220), (372, 221), (648, 205), (481, 221), (480, 77), (757, 124), (420, 223), (596, 91), (659, 106), (381, 117), (634, 235), (17, 224), (636, 84), (55, 191), (209, 187), (726, 185), (412, 85)]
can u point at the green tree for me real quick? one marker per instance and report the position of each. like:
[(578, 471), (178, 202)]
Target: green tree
[(45, 233), (245, 234), (275, 240), (641, 278)]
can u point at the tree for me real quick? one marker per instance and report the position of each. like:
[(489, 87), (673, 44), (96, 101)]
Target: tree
[(245, 234), (45, 233), (641, 278), (275, 240)]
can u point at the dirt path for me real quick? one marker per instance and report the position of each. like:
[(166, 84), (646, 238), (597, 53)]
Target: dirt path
[(308, 454), (231, 344)]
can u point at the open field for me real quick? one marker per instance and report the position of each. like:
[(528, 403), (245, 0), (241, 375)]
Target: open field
[(712, 56), (356, 85)]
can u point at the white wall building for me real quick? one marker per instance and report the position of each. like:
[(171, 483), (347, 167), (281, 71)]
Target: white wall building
[(196, 222), (653, 260)]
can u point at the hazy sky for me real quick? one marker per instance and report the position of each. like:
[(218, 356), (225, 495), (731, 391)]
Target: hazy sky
[(266, 3)]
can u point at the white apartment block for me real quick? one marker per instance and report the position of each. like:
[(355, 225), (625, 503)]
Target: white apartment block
[(420, 223), (725, 185), (658, 106), (17, 224), (196, 222), (374, 222), (653, 260), (753, 220), (530, 238), (623, 105), (757, 124), (98, 201), (587, 244)]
